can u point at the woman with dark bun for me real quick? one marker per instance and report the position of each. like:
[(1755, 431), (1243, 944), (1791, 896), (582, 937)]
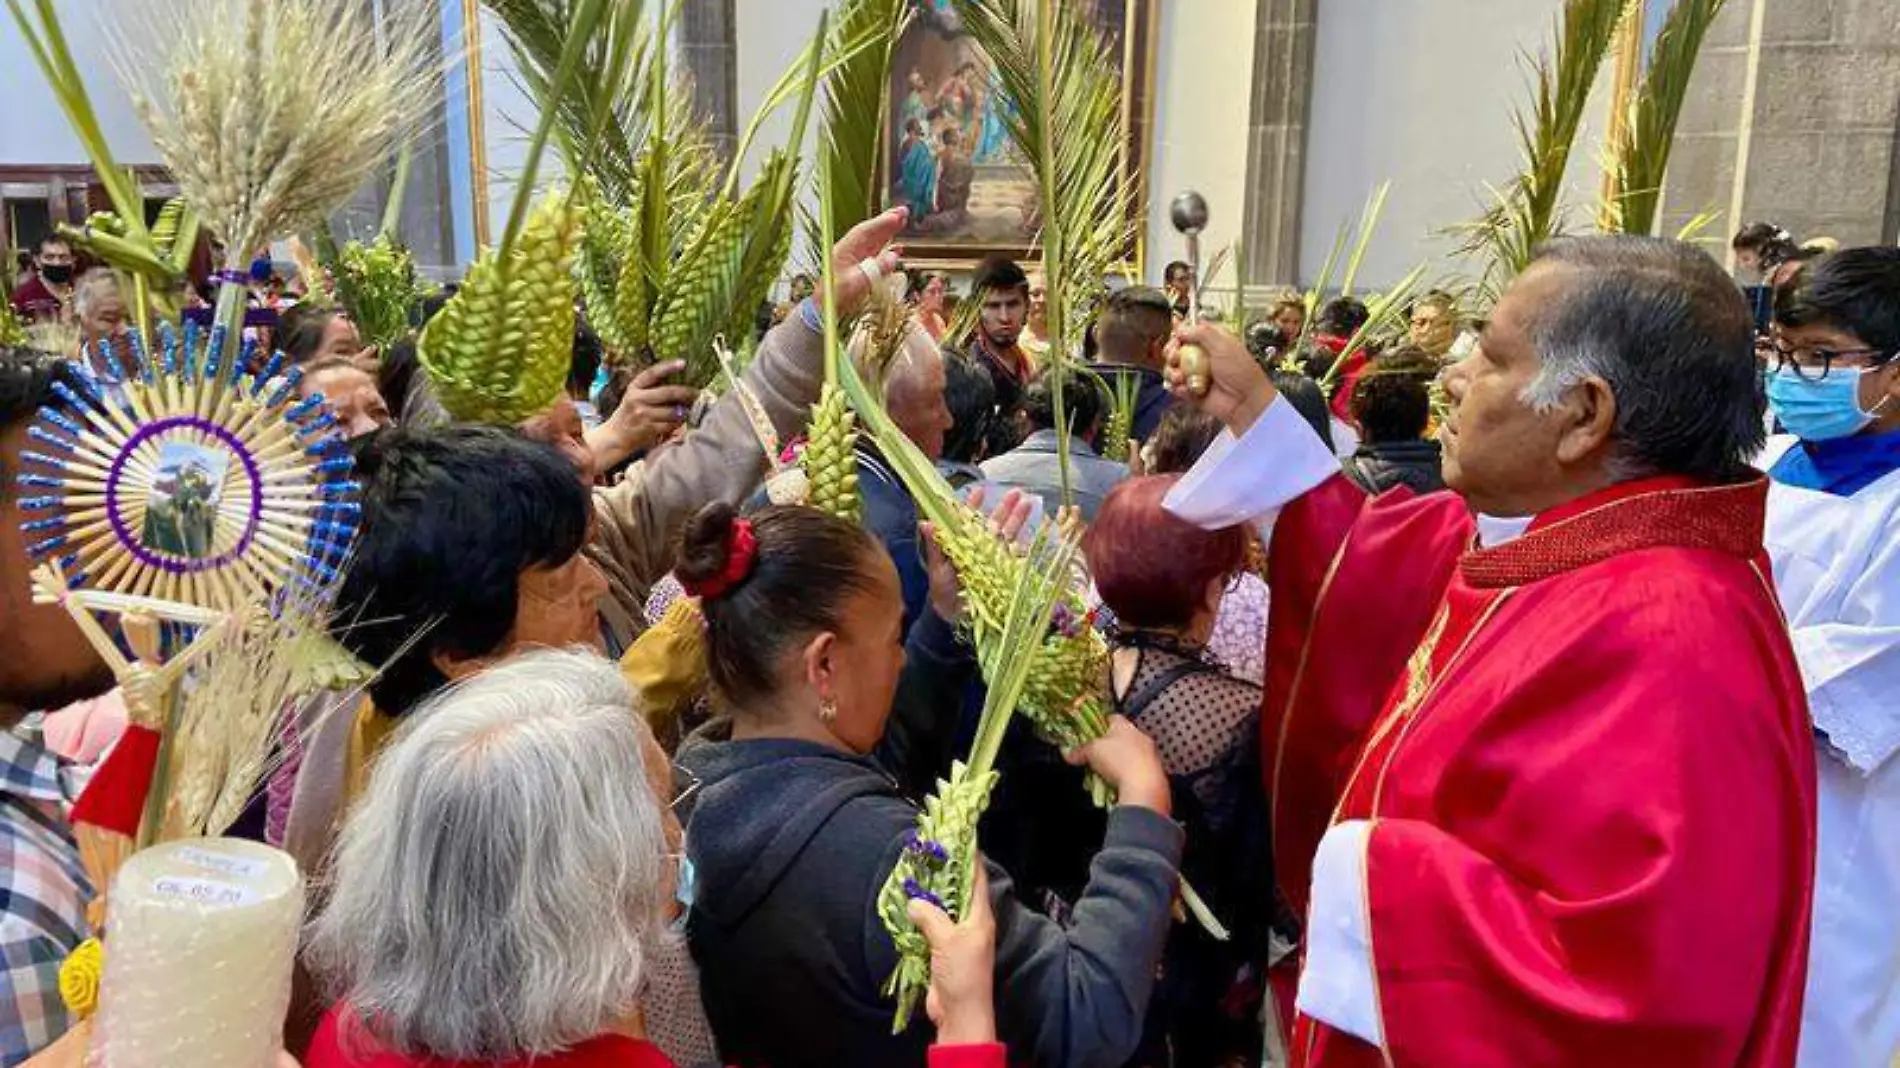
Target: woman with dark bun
[(800, 815)]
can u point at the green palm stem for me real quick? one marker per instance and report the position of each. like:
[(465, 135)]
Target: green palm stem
[(1382, 312), (1053, 240), (656, 230), (1368, 222), (56, 63), (828, 273), (399, 185)]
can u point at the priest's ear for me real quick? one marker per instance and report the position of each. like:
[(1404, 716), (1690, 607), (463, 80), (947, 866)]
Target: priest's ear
[(1589, 422)]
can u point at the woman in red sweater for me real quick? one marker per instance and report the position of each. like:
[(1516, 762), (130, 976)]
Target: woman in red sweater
[(505, 894)]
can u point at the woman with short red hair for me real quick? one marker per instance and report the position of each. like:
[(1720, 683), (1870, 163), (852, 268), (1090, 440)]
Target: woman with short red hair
[(1163, 579)]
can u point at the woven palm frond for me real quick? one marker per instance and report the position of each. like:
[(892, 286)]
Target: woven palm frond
[(498, 351), (939, 862), (1639, 157)]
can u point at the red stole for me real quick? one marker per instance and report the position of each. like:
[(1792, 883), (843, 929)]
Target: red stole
[(1591, 784)]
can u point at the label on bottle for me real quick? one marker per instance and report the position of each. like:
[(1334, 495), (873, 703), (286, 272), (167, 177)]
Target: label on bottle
[(222, 862), (213, 892)]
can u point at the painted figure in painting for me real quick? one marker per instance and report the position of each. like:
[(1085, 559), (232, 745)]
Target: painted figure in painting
[(917, 171), (918, 102), (992, 144)]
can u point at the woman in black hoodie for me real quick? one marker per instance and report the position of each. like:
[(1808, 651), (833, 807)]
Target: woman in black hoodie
[(798, 819)]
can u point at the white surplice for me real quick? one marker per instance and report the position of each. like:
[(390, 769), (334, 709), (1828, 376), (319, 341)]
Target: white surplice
[(1837, 567)]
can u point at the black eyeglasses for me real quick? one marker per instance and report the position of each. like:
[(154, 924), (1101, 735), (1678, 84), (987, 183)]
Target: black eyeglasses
[(1813, 364)]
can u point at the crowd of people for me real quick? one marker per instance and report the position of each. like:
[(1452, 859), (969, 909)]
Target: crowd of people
[(1477, 679)]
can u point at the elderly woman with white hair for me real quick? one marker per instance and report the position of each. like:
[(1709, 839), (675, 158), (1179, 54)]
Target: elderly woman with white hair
[(505, 888), (505, 892)]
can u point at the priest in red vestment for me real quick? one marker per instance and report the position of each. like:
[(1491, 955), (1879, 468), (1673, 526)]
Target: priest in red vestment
[(1538, 753)]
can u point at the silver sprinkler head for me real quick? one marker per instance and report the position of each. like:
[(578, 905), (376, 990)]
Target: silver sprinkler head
[(1189, 212)]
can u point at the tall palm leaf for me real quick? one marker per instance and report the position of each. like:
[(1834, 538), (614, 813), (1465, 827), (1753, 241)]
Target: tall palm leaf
[(129, 245), (1639, 158), (600, 116), (1527, 210), (1065, 117), (857, 99)]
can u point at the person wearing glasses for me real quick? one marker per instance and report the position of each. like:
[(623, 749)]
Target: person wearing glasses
[(1834, 532)]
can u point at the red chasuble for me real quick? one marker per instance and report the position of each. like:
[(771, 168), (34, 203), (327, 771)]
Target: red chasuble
[(1587, 767)]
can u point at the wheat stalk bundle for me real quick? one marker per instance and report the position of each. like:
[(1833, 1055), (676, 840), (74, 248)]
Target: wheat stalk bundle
[(269, 114)]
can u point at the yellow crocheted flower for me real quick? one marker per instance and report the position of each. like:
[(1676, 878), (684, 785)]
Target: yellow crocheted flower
[(79, 978)]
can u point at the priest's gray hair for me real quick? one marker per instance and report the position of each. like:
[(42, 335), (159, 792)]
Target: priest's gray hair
[(498, 891), (1666, 328)]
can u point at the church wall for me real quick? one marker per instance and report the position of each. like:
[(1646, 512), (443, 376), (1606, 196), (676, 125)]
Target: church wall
[(1422, 94)]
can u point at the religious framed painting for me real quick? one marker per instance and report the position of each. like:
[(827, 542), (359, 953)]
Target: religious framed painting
[(947, 151)]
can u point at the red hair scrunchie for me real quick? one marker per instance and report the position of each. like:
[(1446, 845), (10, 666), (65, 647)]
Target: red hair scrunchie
[(740, 554)]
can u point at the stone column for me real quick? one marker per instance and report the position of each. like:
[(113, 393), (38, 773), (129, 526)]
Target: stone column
[(1794, 117), (708, 45), (1285, 33)]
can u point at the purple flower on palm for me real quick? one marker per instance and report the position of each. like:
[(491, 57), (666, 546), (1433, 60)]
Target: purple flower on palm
[(925, 849), (916, 892)]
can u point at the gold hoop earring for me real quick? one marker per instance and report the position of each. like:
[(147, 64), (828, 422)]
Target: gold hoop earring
[(827, 711)]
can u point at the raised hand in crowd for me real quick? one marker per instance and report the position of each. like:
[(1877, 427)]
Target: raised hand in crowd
[(649, 412), (1007, 521), (1127, 760), (1238, 388), (869, 240)]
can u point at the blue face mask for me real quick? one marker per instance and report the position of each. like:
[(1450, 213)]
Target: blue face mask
[(686, 883), (1819, 411)]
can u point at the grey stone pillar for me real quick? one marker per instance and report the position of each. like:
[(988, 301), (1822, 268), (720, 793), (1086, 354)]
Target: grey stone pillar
[(1284, 38), (1794, 117), (708, 44)]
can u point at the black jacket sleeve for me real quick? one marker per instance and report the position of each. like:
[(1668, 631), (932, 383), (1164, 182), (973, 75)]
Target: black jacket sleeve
[(1075, 997)]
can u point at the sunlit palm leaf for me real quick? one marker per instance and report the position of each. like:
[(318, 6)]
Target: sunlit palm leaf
[(856, 101), (1527, 211), (1640, 157), (599, 120)]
